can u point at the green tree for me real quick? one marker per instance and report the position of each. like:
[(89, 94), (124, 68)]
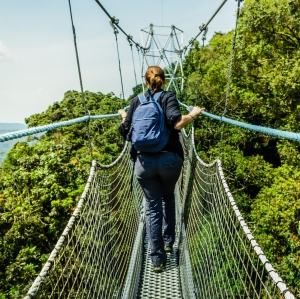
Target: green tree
[(41, 183), (264, 91)]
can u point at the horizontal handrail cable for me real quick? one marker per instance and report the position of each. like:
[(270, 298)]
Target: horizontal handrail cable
[(261, 129), (49, 127), (265, 130)]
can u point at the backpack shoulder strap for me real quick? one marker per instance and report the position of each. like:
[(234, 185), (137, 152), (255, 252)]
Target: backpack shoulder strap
[(142, 98), (157, 95)]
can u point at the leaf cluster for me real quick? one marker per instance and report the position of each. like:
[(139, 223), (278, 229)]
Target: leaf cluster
[(262, 171), (41, 183)]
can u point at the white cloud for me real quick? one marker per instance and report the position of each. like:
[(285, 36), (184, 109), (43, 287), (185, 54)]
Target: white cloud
[(40, 92), (5, 53)]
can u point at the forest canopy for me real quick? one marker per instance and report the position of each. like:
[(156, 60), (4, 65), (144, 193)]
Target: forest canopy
[(40, 183), (262, 171)]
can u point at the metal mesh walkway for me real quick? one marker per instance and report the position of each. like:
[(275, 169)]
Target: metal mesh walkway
[(165, 285)]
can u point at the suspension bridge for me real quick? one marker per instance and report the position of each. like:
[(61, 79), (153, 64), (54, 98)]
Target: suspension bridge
[(104, 253)]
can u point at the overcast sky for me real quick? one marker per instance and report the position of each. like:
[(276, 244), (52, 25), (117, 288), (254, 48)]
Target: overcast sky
[(37, 56)]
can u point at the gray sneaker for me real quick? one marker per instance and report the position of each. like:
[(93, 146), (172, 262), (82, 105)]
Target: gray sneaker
[(159, 268), (168, 249)]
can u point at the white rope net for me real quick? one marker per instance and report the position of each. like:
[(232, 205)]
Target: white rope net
[(93, 256), (100, 252), (219, 257)]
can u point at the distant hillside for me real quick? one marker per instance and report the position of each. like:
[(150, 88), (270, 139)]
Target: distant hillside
[(7, 145), (10, 127)]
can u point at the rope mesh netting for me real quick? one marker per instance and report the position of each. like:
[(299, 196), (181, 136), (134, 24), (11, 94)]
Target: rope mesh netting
[(100, 253), (219, 256), (94, 256)]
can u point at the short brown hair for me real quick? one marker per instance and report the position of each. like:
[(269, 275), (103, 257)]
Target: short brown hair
[(155, 77)]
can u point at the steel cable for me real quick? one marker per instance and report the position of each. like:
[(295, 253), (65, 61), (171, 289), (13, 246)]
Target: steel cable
[(204, 26), (200, 65), (120, 71), (81, 85), (116, 22), (229, 74), (130, 43)]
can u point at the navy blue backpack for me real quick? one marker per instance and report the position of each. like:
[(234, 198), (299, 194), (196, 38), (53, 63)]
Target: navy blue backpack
[(149, 131)]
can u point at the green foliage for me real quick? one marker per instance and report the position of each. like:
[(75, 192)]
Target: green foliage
[(262, 171), (136, 90), (41, 183), (6, 146), (276, 212)]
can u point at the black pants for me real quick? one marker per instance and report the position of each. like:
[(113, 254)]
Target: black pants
[(157, 175)]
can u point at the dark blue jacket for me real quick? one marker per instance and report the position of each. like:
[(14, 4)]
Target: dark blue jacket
[(170, 106)]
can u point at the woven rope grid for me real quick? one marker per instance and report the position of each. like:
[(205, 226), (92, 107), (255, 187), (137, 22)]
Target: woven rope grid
[(226, 261), (99, 254), (93, 256)]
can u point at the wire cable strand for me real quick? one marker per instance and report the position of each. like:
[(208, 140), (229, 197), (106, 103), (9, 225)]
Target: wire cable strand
[(81, 85), (200, 65), (116, 22), (230, 74), (204, 26), (130, 43), (120, 70)]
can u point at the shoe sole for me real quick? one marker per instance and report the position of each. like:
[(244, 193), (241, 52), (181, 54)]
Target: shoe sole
[(170, 250), (159, 269)]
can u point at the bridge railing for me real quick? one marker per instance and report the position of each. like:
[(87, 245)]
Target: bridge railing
[(99, 254), (219, 257), (218, 254)]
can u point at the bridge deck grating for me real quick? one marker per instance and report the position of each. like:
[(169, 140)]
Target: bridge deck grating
[(164, 285)]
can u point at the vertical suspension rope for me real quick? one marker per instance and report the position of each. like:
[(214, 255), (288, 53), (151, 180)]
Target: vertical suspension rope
[(130, 43), (120, 71), (229, 75), (86, 112), (138, 49), (200, 62), (141, 66)]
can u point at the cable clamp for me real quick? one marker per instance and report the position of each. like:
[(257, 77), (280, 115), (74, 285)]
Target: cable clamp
[(202, 27), (138, 46), (192, 41), (129, 38), (115, 29), (112, 24), (204, 34), (115, 20), (179, 52)]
